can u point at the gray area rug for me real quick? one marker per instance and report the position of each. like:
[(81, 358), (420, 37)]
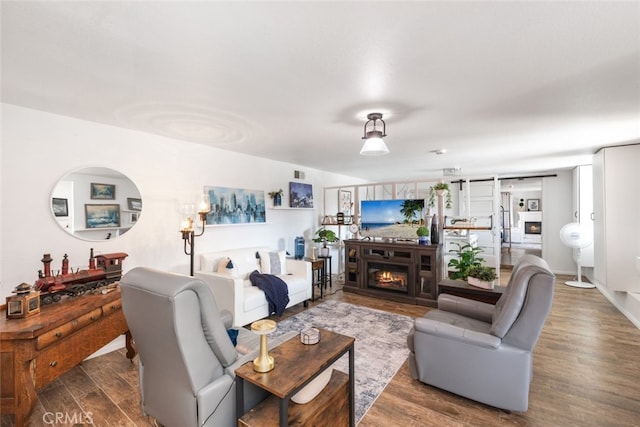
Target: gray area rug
[(380, 347)]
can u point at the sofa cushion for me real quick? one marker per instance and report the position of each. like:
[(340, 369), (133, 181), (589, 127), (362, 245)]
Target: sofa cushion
[(273, 262), (296, 284), (253, 297)]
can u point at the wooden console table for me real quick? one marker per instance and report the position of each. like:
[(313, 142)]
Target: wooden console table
[(296, 365), (37, 350)]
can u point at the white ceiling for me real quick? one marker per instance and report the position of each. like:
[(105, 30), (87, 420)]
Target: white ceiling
[(505, 87)]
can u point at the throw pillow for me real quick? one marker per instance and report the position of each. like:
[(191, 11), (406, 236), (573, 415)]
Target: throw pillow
[(273, 262), (226, 266), (233, 335)]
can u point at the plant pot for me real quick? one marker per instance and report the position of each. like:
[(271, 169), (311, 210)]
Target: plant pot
[(423, 240), (324, 251), (481, 283)]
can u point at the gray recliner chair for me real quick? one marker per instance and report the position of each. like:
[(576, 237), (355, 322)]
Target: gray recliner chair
[(186, 360), (481, 351)]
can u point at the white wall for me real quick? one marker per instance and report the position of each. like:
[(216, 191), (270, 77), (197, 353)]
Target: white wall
[(39, 148)]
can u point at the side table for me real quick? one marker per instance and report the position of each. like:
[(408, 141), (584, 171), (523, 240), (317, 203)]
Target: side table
[(318, 276), (296, 365), (328, 272)]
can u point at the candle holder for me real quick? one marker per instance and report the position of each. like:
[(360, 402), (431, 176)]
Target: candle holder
[(264, 362)]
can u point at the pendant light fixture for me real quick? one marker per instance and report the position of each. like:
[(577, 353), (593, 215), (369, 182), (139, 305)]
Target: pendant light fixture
[(373, 143)]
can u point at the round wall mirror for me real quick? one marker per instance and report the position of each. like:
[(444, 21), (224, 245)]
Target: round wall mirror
[(96, 203)]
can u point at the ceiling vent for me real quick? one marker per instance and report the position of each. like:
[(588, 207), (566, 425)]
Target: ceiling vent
[(452, 171)]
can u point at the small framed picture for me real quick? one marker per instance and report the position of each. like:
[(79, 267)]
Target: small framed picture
[(344, 201), (533, 204), (134, 204), (102, 216), (134, 217), (60, 206), (103, 191)]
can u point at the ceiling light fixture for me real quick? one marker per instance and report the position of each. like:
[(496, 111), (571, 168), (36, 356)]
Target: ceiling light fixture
[(373, 143)]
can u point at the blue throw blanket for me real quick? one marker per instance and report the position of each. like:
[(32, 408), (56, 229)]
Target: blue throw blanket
[(274, 288)]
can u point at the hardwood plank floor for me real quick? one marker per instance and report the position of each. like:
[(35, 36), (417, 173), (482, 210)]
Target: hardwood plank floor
[(586, 373)]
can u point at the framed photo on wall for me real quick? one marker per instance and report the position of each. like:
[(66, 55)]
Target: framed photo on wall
[(344, 201), (60, 206), (231, 206), (533, 204), (134, 204), (300, 195), (103, 191), (102, 216)]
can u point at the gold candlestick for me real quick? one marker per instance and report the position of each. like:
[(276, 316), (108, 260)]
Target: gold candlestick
[(264, 362)]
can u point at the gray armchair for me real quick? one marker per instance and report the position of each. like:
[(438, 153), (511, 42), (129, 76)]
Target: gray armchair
[(186, 360), (484, 352)]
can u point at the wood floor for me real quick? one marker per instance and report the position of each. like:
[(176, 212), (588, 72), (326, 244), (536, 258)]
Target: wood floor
[(586, 373)]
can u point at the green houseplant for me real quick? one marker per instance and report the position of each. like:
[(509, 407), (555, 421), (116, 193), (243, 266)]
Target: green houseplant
[(481, 276), (423, 235), (467, 258), (276, 196), (323, 236), (433, 191)]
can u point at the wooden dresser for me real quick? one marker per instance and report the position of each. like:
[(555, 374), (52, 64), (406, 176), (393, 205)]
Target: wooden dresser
[(37, 350)]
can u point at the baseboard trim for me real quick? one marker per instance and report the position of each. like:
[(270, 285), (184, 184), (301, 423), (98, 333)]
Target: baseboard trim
[(604, 291)]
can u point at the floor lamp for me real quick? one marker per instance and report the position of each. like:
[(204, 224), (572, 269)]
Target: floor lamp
[(188, 233)]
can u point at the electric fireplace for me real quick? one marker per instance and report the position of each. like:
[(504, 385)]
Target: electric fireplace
[(532, 227), (387, 276)]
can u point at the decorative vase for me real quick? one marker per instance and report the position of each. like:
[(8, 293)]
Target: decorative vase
[(434, 230), (277, 200), (423, 240)]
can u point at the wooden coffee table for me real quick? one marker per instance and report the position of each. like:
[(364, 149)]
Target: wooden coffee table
[(296, 365)]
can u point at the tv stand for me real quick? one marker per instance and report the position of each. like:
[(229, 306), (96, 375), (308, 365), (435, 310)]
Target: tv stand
[(401, 271)]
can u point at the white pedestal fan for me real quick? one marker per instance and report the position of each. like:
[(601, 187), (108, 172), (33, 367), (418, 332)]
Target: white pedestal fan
[(575, 236)]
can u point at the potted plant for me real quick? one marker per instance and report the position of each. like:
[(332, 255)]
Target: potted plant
[(323, 236), (440, 188), (423, 235), (482, 276), (277, 197), (467, 258)]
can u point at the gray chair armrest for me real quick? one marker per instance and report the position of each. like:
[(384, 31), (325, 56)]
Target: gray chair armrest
[(227, 318), (466, 307), (445, 330)]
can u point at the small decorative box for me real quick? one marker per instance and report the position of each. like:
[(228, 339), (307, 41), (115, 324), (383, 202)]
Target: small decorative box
[(310, 336)]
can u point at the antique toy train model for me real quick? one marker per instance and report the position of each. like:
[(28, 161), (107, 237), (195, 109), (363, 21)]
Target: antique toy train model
[(103, 270)]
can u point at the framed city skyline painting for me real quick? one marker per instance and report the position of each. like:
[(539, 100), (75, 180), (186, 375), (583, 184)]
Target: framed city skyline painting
[(235, 206)]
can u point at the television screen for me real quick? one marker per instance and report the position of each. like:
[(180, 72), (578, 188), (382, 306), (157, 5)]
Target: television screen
[(391, 218)]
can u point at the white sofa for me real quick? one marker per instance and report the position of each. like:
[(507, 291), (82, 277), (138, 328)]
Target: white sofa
[(232, 288)]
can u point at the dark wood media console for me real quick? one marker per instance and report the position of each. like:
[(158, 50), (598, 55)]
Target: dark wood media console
[(397, 271)]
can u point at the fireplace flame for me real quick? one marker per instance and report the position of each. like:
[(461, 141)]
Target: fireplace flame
[(389, 277)]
